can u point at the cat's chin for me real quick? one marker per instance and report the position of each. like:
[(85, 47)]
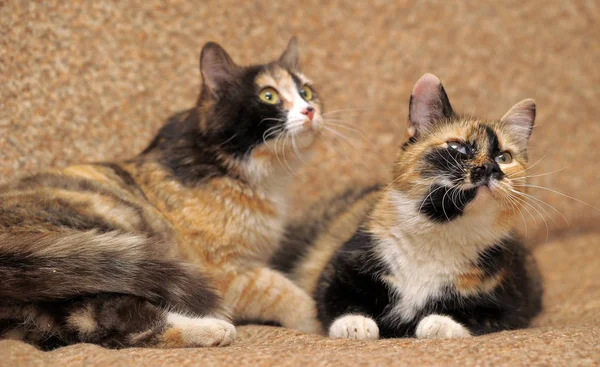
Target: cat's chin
[(484, 190), (487, 197), (304, 138)]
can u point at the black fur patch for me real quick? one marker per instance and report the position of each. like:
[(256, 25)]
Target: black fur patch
[(182, 149), (351, 283), (447, 162), (195, 145), (493, 147), (299, 237), (443, 204)]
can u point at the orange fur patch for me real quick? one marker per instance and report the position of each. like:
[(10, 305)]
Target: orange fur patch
[(474, 281), (172, 338)]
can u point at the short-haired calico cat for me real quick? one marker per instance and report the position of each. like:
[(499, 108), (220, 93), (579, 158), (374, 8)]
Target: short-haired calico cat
[(436, 255), (159, 249)]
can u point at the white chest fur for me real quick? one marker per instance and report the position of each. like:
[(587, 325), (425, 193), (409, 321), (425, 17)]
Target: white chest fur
[(424, 257)]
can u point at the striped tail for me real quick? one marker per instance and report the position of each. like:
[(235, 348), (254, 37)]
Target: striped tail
[(38, 267)]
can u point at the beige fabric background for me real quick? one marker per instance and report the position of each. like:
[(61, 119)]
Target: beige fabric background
[(86, 81)]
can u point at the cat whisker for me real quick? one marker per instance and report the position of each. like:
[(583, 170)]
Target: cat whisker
[(427, 197), (443, 197), (525, 203), (542, 174), (530, 167), (349, 121), (514, 204), (350, 129), (342, 136), (531, 197), (270, 131), (417, 184), (354, 110), (228, 140), (270, 119), (277, 152), (457, 192), (287, 166), (558, 193), (292, 171), (266, 139), (450, 163), (298, 154), (409, 192)]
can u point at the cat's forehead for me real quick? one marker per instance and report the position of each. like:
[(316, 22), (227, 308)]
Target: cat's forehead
[(280, 78), (474, 130)]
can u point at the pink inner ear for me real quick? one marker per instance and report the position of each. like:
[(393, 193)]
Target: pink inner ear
[(215, 65), (521, 118), (425, 91), (521, 114)]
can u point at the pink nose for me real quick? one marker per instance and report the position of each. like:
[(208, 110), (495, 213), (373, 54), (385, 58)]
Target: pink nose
[(309, 112)]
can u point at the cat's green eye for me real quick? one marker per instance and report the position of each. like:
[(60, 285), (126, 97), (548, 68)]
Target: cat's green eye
[(306, 93), (269, 95), (504, 158)]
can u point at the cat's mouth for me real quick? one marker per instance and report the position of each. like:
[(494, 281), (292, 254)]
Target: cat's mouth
[(306, 127), (487, 187)]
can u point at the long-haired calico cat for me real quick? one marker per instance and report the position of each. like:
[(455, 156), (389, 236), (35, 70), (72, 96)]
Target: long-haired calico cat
[(157, 250), (435, 254)]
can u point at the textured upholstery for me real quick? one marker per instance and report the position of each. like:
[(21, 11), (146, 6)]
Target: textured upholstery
[(87, 81)]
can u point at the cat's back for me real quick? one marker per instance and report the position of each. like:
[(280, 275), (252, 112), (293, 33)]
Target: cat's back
[(100, 197), (218, 218)]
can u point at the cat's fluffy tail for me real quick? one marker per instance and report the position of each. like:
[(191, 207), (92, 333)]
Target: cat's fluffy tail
[(38, 267)]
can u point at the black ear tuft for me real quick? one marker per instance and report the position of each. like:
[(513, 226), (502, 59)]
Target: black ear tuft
[(428, 104), (289, 57), (216, 66)]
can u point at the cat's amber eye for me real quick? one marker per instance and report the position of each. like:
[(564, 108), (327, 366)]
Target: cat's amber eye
[(504, 158), (269, 95), (306, 93), (455, 145)]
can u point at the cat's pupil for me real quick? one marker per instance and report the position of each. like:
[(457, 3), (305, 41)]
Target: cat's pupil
[(268, 96), (504, 158)]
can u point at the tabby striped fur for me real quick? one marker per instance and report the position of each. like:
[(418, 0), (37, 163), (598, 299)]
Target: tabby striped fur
[(166, 248)]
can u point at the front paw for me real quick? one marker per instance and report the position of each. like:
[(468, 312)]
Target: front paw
[(440, 327), (354, 327)]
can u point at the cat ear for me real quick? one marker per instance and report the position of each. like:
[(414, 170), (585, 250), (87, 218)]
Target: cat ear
[(428, 103), (216, 66), (520, 118), (289, 57)]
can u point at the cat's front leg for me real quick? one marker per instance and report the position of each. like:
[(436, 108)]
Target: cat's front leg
[(267, 295), (440, 327)]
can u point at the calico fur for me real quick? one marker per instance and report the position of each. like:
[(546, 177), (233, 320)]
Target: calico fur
[(434, 254), (166, 248)]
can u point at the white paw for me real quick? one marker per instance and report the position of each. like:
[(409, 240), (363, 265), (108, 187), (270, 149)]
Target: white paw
[(440, 327), (354, 327), (203, 331)]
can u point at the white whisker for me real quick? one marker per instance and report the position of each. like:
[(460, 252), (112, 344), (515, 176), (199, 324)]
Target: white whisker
[(558, 193)]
